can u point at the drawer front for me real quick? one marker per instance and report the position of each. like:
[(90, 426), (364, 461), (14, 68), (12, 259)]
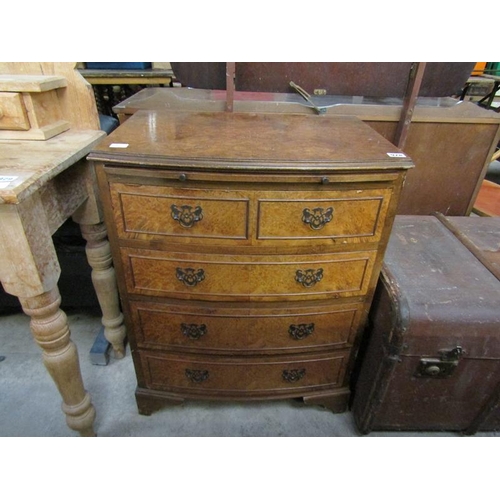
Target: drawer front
[(240, 277), (244, 329), (242, 376), (155, 212), (351, 216), (249, 216), (13, 115)]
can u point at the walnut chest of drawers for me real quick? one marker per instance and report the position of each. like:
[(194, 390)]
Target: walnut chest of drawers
[(247, 249)]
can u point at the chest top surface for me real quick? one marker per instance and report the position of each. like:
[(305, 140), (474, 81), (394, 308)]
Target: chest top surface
[(221, 140)]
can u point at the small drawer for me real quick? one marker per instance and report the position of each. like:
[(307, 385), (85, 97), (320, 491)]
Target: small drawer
[(242, 277), (351, 216), (239, 376), (157, 212), (13, 115), (245, 329)]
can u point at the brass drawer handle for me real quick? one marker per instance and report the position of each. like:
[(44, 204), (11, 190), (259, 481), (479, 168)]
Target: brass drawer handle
[(189, 276), (317, 217), (193, 331), (186, 215), (196, 376), (293, 375), (299, 332), (309, 277)]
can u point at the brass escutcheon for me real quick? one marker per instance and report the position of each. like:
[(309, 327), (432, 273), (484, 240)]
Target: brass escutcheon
[(309, 277), (318, 217), (186, 215), (190, 276)]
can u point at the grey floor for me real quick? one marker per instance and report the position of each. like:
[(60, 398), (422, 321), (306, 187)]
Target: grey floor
[(30, 405)]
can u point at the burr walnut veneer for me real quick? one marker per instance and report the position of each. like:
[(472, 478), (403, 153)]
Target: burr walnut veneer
[(247, 248)]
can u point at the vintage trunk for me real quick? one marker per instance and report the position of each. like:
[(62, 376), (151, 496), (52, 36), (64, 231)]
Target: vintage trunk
[(432, 354)]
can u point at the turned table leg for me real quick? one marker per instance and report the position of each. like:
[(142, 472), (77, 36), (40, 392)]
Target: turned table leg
[(49, 326), (104, 279), (30, 270)]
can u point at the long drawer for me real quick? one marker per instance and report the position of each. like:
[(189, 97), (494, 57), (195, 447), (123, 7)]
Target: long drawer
[(241, 277), (254, 217), (244, 329), (242, 376)]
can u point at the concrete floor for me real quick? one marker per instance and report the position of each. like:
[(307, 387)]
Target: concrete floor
[(30, 404)]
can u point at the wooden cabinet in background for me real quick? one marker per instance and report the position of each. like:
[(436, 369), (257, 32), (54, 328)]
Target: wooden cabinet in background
[(247, 247), (450, 141)]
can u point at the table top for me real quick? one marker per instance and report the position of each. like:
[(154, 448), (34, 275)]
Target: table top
[(233, 141), (25, 166), (125, 73), (495, 78), (128, 76)]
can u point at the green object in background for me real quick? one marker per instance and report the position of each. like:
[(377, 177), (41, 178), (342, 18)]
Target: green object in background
[(492, 68)]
